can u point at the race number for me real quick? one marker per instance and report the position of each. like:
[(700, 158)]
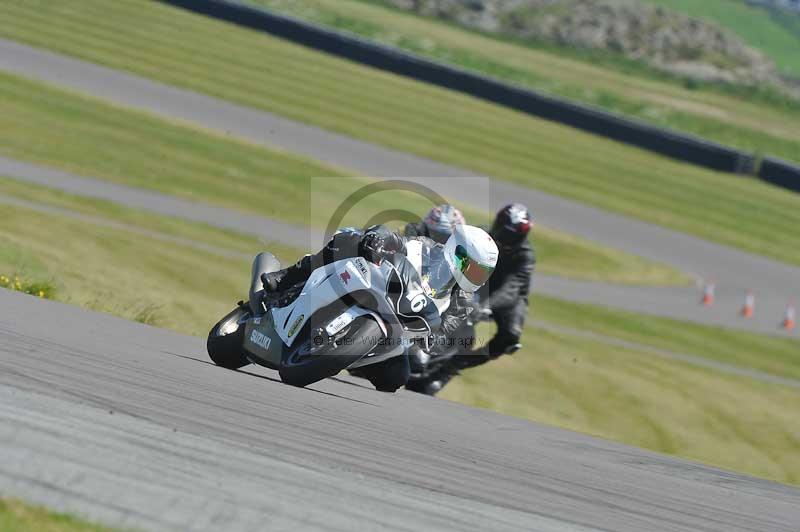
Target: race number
[(418, 302)]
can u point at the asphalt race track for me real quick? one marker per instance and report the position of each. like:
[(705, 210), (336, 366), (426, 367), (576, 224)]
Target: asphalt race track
[(133, 426), (735, 271)]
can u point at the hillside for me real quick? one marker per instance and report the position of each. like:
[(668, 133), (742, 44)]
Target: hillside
[(672, 41), (773, 31)]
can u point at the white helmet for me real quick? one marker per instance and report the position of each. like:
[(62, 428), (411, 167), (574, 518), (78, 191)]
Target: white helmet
[(471, 255)]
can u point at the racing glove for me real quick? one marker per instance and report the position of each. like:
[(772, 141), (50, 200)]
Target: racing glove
[(379, 243)]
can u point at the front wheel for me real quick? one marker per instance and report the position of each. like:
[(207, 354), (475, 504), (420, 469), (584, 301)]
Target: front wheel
[(308, 363), (226, 339)]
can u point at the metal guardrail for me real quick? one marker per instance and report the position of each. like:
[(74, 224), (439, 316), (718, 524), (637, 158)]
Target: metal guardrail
[(676, 145)]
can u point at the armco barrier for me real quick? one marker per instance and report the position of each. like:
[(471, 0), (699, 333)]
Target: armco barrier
[(670, 143), (780, 173)]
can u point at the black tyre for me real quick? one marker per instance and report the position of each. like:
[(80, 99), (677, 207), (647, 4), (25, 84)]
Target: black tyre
[(426, 386), (388, 376), (226, 339), (308, 363)]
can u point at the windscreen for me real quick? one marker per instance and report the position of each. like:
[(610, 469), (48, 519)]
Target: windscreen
[(436, 276)]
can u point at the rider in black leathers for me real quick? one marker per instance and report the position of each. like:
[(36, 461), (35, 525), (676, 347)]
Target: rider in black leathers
[(374, 244), (506, 292), (504, 296)]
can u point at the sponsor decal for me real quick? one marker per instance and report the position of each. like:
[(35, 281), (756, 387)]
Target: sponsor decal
[(260, 339), (361, 267), (345, 276), (295, 325), (339, 323), (257, 321)]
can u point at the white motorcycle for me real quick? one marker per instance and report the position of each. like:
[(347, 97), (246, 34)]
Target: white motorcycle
[(350, 314)]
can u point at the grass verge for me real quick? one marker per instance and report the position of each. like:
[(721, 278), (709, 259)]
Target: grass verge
[(144, 151), (205, 55), (565, 255), (639, 399), (17, 516), (139, 272), (771, 354), (43, 289)]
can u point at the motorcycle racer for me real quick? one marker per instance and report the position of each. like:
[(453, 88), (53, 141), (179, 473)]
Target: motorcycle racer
[(504, 298), (468, 259), (438, 224)]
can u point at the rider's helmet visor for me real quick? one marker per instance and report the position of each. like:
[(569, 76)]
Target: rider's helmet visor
[(473, 271)]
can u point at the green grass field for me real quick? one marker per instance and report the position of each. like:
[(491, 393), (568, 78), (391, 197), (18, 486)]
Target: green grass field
[(166, 44), (755, 26), (749, 120), (770, 354), (141, 272), (145, 151), (640, 399), (790, 23), (560, 378), (568, 256), (17, 516)]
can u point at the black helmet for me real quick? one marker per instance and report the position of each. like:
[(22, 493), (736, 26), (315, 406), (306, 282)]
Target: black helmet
[(511, 225)]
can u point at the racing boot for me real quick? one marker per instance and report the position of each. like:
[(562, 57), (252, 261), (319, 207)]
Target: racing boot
[(435, 383), (272, 281), (510, 350), (417, 359), (275, 282), (471, 359)]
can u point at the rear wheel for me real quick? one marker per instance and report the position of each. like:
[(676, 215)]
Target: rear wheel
[(226, 339), (308, 363)]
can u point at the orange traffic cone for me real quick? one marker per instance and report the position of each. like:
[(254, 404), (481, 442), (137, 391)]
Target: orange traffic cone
[(749, 304), (708, 294), (791, 315)]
